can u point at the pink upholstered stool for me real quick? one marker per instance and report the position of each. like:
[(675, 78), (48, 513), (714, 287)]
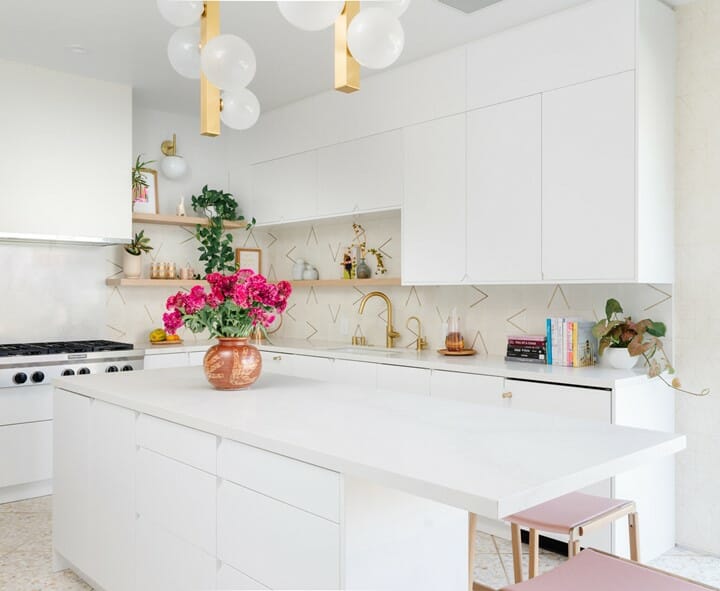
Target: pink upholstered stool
[(592, 570), (573, 515)]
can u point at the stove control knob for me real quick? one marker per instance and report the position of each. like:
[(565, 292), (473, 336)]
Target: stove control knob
[(111, 369), (68, 372), (127, 368), (20, 378), (37, 377), (83, 371)]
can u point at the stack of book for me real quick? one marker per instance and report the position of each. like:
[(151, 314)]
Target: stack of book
[(527, 348), (570, 342)]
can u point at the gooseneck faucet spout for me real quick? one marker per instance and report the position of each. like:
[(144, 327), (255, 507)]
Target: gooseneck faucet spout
[(390, 333)]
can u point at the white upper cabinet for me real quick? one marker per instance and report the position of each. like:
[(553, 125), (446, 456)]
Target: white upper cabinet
[(504, 192), (592, 40), (361, 175), (433, 217), (65, 156), (588, 213), (285, 189)]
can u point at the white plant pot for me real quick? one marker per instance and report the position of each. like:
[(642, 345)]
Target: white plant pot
[(619, 358), (132, 265)]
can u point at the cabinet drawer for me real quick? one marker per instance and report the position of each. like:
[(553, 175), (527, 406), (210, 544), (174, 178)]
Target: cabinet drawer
[(276, 544), (468, 387), (32, 453), (23, 405), (168, 563), (561, 401), (184, 444), (178, 498), (302, 485), (229, 579), (359, 373), (196, 358), (274, 362), (162, 360), (396, 378)]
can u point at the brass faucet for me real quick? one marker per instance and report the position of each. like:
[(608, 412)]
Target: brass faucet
[(420, 342), (390, 333)]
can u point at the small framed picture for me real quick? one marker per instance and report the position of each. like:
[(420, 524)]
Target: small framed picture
[(146, 199), (248, 258)]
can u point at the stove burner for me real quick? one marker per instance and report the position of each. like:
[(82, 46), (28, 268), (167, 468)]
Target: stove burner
[(24, 349)]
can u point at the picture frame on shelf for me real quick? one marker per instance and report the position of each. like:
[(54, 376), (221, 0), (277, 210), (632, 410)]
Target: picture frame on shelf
[(249, 258), (146, 201)]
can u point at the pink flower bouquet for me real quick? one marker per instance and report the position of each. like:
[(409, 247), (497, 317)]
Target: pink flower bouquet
[(233, 307)]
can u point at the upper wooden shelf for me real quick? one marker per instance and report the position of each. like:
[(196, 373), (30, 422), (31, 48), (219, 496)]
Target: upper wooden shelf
[(387, 281), (125, 282), (177, 220)]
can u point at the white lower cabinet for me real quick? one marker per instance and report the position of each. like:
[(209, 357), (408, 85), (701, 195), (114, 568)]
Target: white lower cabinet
[(398, 378), (360, 373), (166, 562), (162, 360), (196, 358), (276, 544), (468, 387), (301, 366)]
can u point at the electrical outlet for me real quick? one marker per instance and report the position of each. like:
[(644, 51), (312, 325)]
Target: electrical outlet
[(344, 327)]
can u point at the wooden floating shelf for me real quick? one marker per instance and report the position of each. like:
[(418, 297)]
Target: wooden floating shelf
[(177, 220), (125, 282), (387, 281)]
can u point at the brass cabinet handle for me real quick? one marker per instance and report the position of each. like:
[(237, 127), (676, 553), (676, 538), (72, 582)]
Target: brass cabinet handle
[(507, 394), (277, 358)]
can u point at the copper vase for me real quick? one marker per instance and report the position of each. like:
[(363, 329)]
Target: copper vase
[(232, 364)]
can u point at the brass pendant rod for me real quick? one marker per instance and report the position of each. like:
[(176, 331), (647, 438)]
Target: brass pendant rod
[(347, 69), (209, 94)]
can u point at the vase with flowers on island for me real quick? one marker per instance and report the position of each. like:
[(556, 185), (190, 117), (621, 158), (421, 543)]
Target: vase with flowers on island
[(623, 342), (233, 308)]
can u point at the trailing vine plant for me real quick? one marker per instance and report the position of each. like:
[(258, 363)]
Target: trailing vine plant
[(216, 246)]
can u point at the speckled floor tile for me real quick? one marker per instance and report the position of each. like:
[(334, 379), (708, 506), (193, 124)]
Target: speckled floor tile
[(17, 529), (704, 569), (484, 543), (546, 562), (37, 505), (490, 571)]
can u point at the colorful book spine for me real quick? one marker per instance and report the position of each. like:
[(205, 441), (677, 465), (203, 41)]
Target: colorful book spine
[(548, 337)]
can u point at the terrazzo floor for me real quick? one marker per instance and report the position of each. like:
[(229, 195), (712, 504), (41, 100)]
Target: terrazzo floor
[(26, 555)]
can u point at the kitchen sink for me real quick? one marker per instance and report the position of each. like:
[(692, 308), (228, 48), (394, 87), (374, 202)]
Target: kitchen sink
[(366, 350)]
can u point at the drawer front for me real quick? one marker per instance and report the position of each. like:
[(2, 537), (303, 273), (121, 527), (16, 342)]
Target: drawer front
[(396, 378), (561, 401), (184, 444), (178, 498), (316, 368), (273, 362), (23, 405), (31, 457), (161, 360), (278, 545), (302, 485), (196, 358), (229, 579), (167, 563), (468, 387), (359, 373)]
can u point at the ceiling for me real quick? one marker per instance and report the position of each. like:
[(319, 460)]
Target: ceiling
[(126, 42)]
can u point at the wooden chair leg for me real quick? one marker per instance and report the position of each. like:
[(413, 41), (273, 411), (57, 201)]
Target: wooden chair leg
[(534, 548), (574, 543), (472, 526), (634, 529), (517, 551)]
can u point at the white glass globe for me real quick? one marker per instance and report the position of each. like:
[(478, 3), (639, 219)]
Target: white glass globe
[(375, 38), (396, 7), (173, 167), (311, 16), (240, 109), (184, 52), (180, 13), (228, 62)]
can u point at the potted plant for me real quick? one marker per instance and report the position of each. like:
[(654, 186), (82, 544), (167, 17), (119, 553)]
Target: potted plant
[(139, 184), (132, 261), (230, 311), (216, 251)]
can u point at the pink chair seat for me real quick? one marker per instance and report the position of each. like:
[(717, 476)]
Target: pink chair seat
[(594, 571), (565, 513)]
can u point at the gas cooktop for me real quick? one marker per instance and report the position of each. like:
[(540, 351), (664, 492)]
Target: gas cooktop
[(59, 347)]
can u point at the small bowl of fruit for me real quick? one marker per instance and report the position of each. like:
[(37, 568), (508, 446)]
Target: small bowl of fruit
[(160, 337)]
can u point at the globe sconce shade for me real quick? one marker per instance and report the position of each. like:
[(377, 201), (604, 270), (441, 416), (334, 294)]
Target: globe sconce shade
[(172, 166)]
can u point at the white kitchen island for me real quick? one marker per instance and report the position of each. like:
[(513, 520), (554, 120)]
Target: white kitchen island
[(164, 483)]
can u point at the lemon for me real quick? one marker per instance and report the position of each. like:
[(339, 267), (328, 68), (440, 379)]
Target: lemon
[(157, 335)]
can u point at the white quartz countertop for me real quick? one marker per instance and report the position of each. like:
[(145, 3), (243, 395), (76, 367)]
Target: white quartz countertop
[(598, 376), (488, 460)]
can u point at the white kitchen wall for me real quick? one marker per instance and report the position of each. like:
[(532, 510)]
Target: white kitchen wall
[(697, 319)]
